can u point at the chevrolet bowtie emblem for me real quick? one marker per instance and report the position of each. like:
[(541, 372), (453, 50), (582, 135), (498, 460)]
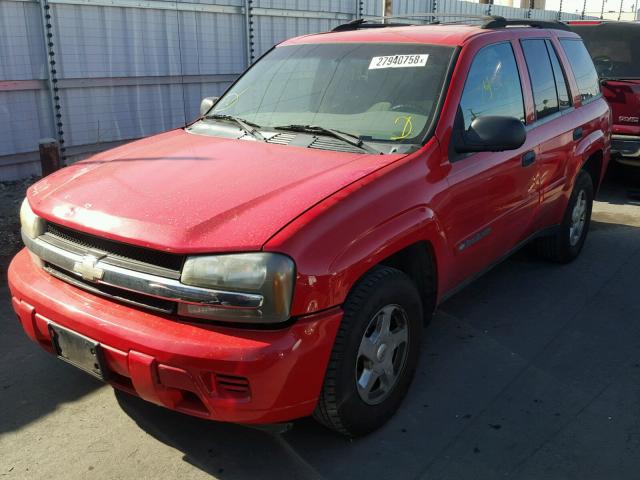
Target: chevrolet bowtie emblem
[(87, 268)]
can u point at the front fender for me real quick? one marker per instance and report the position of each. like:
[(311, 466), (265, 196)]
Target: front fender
[(339, 240)]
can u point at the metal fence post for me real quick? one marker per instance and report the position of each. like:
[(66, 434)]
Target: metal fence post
[(620, 12), (387, 9), (52, 78), (249, 32), (49, 155), (560, 11)]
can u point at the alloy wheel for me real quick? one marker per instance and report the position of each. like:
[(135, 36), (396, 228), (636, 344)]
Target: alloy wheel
[(382, 354), (578, 218)]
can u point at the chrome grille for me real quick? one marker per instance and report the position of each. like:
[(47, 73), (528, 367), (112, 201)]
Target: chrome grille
[(113, 249), (124, 296), (123, 278)]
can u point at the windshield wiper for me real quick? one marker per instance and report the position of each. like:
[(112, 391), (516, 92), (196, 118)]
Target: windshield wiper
[(245, 125), (344, 136)]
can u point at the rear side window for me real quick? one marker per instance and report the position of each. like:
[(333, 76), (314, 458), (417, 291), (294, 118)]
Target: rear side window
[(582, 66), (561, 81), (543, 81), (493, 85)]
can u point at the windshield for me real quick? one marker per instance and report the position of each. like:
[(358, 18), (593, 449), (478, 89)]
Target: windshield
[(614, 47), (378, 92)]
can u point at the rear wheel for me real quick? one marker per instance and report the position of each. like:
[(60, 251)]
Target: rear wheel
[(567, 243), (375, 354)]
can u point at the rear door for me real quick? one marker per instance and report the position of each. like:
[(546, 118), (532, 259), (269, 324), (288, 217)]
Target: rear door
[(555, 128)]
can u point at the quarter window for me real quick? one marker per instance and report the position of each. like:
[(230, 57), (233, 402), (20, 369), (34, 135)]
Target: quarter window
[(582, 66), (493, 85), (543, 82)]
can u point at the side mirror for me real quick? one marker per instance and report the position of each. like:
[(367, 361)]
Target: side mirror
[(207, 103), (492, 134)]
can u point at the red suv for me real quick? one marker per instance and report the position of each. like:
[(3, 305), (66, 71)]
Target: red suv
[(615, 49), (278, 257)]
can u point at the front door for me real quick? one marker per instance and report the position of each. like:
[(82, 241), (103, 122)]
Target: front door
[(493, 196)]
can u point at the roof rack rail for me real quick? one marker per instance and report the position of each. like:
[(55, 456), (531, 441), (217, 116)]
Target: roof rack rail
[(489, 21), (501, 22), (366, 22)]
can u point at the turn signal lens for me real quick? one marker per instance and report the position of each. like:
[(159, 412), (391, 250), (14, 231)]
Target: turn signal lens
[(32, 225)]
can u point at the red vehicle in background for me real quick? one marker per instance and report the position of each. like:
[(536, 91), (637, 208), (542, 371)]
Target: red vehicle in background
[(278, 257), (615, 49)]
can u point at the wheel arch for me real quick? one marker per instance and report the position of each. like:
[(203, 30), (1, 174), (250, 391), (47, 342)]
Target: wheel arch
[(593, 165), (590, 156), (418, 262), (412, 242)]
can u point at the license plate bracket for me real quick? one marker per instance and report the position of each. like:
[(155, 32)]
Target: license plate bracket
[(80, 351)]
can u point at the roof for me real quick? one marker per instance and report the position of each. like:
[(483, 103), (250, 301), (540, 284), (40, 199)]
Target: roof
[(445, 34), (438, 34)]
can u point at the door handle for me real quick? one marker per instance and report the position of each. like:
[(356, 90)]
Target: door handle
[(577, 133), (528, 158)]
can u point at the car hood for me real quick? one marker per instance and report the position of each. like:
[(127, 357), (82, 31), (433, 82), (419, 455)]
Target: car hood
[(188, 193)]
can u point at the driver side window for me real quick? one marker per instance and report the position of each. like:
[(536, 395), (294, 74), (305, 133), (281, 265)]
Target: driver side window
[(493, 85)]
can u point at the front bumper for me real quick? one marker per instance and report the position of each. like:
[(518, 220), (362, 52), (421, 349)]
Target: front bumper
[(222, 373), (627, 147)]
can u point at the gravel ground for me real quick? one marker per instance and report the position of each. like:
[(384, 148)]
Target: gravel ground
[(11, 195)]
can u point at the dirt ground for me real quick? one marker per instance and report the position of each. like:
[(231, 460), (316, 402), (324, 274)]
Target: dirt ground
[(11, 195), (532, 372)]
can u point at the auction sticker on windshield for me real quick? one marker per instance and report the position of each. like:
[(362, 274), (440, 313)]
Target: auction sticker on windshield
[(398, 61)]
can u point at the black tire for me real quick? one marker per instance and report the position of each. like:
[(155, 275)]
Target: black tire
[(340, 406), (559, 247)]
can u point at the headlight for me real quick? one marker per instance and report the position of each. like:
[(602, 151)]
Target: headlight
[(270, 275), (32, 225)]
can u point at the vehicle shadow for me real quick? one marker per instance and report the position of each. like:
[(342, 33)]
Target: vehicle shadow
[(506, 364), (621, 185), (307, 450), (32, 382), (482, 397)]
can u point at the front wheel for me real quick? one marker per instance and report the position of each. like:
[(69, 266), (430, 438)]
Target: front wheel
[(567, 243), (375, 354)]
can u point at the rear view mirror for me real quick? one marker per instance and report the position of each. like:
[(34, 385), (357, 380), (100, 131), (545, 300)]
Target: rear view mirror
[(207, 103), (492, 134)]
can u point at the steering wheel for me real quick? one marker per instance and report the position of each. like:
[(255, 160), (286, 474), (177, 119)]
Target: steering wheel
[(408, 108), (603, 64)]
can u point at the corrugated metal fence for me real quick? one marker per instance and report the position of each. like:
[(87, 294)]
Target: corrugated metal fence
[(402, 7), (94, 73)]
